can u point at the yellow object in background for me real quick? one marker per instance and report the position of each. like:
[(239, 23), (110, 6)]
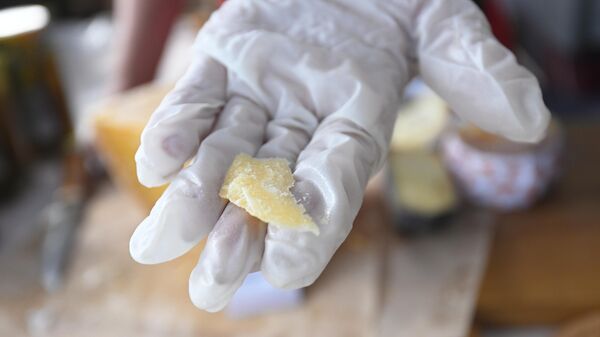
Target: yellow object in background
[(422, 195), (262, 188), (422, 184), (419, 124), (118, 127)]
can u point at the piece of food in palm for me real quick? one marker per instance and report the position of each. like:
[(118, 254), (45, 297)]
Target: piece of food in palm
[(263, 188)]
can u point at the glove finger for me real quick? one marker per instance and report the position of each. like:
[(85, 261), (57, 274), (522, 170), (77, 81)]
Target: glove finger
[(480, 79), (184, 117), (232, 250), (235, 246), (331, 175), (190, 206)]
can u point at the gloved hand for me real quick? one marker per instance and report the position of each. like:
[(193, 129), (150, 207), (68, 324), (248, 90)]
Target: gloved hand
[(318, 83)]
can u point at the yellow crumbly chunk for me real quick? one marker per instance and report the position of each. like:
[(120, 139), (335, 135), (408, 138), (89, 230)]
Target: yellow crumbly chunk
[(262, 188)]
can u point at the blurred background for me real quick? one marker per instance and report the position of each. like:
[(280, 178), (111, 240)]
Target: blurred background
[(462, 234)]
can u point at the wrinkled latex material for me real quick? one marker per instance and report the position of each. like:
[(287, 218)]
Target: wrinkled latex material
[(317, 83), (262, 188)]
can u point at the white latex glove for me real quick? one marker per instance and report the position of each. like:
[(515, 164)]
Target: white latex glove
[(318, 83)]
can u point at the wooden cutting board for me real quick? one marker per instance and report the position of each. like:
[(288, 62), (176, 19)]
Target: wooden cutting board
[(108, 294)]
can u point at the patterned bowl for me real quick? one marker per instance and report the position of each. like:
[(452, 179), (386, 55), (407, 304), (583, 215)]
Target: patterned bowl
[(493, 172)]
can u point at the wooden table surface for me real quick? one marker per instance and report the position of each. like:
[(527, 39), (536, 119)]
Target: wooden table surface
[(544, 266)]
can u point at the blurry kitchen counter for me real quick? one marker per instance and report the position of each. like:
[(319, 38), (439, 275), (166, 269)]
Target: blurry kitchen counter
[(108, 294), (544, 265)]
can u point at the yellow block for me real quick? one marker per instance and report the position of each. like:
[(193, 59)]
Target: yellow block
[(262, 188), (118, 126)]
